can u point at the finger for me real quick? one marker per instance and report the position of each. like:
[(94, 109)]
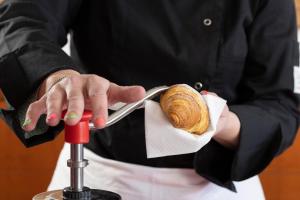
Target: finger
[(126, 94), (205, 92), (97, 97), (34, 111), (75, 100), (55, 100)]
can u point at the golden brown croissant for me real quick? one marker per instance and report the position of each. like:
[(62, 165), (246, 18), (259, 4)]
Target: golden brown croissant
[(185, 109)]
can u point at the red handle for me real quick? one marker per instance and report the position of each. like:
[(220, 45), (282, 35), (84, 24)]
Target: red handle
[(79, 133)]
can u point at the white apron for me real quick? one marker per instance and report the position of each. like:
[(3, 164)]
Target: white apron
[(137, 182)]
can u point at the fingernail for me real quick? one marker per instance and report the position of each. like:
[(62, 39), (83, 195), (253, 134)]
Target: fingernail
[(71, 115), (204, 92), (52, 116), (100, 122), (26, 122)]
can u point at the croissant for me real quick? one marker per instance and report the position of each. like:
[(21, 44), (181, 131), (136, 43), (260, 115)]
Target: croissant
[(185, 109)]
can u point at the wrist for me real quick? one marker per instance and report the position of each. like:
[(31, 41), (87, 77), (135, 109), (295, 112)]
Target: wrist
[(54, 78)]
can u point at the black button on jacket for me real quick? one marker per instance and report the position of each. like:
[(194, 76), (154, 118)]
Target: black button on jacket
[(243, 50)]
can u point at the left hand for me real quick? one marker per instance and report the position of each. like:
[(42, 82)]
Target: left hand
[(228, 127)]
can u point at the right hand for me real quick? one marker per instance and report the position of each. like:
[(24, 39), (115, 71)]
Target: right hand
[(75, 93)]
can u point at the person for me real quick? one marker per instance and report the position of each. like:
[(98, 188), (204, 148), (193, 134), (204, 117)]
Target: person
[(243, 51)]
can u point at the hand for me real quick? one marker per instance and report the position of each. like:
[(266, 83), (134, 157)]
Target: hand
[(75, 93), (228, 127)]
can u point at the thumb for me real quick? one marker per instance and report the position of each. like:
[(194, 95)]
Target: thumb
[(126, 94)]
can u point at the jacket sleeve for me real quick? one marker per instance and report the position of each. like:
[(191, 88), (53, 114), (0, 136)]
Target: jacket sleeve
[(32, 33), (268, 110)]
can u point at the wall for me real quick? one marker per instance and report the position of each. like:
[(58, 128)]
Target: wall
[(281, 180), (24, 172)]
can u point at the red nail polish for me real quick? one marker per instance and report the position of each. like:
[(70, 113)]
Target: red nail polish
[(100, 122), (52, 116), (204, 92)]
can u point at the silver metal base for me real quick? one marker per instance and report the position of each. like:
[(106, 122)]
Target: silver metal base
[(51, 195), (96, 195)]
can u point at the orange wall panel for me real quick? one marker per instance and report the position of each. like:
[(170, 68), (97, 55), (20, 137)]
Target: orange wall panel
[(25, 172)]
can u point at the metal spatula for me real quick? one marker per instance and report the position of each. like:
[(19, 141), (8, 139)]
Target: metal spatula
[(129, 108)]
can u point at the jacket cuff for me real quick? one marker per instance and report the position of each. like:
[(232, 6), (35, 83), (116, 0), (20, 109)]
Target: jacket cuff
[(255, 150), (42, 133), (214, 162)]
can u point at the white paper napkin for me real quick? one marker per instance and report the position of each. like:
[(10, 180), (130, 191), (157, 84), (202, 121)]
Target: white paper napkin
[(162, 139)]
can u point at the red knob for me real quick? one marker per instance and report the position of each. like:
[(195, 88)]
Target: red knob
[(79, 133)]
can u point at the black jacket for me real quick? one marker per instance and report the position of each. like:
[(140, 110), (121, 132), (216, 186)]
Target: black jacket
[(243, 50)]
